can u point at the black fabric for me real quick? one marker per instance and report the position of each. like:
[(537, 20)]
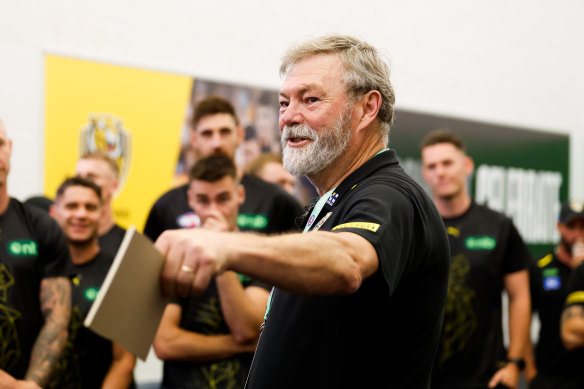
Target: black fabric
[(203, 315), (87, 356), (485, 246), (32, 247), (110, 242), (267, 209), (386, 334), (558, 367)]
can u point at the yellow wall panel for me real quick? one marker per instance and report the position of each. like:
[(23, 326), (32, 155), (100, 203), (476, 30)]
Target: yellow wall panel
[(151, 108)]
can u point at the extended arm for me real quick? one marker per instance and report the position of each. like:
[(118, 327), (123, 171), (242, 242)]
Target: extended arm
[(55, 298), (517, 286), (572, 326), (120, 374), (9, 382), (175, 343), (316, 263), (243, 309)]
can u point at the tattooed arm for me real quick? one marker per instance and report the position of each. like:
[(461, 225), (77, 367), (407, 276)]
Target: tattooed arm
[(572, 326), (55, 298)]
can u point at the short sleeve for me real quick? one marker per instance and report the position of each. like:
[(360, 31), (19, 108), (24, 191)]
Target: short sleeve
[(384, 217), (53, 247), (517, 255)]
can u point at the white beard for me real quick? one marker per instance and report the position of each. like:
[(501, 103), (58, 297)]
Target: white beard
[(325, 147)]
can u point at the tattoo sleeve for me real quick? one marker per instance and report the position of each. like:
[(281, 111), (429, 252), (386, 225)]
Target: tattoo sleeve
[(55, 299)]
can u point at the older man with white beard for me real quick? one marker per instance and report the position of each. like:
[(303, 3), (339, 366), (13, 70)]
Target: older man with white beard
[(359, 296)]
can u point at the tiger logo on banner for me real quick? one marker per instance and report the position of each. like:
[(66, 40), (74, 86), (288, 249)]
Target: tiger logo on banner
[(105, 132)]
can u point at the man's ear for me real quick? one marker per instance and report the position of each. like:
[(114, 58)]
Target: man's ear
[(190, 197), (52, 210), (241, 194), (368, 108), (468, 165), (192, 137), (240, 134)]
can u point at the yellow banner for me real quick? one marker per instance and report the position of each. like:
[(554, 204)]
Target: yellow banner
[(136, 114)]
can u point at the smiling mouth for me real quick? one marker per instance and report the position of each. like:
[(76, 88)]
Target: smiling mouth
[(298, 140)]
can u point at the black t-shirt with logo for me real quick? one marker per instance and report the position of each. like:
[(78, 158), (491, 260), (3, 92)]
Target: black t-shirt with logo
[(203, 315), (267, 209), (549, 288), (385, 335), (110, 242), (485, 247), (32, 247), (87, 356)]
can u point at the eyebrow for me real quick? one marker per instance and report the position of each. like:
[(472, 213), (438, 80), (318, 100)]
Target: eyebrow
[(305, 88)]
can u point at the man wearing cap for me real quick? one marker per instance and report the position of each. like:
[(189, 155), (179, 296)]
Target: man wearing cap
[(556, 366)]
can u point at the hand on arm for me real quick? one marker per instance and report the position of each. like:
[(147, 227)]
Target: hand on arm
[(120, 374), (243, 309), (517, 286), (55, 296), (175, 343), (316, 263)]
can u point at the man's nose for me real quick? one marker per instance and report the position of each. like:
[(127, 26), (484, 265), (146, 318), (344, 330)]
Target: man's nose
[(291, 115), (80, 212), (216, 140)]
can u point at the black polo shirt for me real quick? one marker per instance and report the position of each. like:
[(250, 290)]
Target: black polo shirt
[(385, 334)]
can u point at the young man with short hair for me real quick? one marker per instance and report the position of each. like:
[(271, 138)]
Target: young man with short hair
[(89, 360), (487, 255), (207, 341)]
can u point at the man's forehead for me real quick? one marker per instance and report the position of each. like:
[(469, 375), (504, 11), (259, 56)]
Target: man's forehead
[(225, 184), (215, 121), (92, 165), (316, 72), (3, 133), (441, 150), (78, 193)]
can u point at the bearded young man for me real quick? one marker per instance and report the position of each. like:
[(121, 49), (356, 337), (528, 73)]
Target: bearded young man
[(359, 297)]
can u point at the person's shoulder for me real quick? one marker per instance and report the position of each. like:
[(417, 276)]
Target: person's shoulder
[(486, 211), (256, 186), (117, 230), (33, 213), (173, 194)]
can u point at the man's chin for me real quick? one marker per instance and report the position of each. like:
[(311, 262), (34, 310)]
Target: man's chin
[(81, 241)]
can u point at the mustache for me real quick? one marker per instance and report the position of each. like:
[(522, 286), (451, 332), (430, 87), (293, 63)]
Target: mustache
[(298, 131)]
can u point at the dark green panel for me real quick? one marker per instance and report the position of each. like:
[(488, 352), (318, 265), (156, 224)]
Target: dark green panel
[(489, 144)]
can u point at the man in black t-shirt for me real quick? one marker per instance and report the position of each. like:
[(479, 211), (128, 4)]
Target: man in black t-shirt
[(215, 130), (89, 360), (104, 171), (206, 341), (487, 256), (359, 297), (34, 289)]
